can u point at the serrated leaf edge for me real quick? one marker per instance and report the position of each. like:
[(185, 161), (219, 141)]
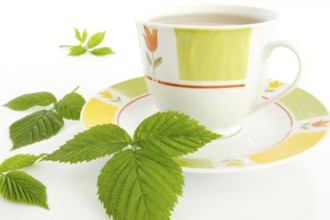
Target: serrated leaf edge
[(33, 142), (7, 105), (4, 177)]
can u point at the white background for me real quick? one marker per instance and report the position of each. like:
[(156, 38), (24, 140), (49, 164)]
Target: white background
[(31, 61)]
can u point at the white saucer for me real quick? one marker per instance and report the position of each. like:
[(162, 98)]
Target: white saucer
[(277, 133)]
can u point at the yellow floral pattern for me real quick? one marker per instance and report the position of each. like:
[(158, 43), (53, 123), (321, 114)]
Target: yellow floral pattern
[(106, 94), (273, 85)]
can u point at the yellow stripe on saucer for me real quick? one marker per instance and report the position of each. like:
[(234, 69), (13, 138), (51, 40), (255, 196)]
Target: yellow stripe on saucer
[(97, 112), (294, 145), (235, 164)]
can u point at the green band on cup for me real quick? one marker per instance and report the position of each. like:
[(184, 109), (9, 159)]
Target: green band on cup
[(211, 54)]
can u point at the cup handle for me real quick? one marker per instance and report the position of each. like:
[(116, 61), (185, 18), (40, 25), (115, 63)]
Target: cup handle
[(269, 48)]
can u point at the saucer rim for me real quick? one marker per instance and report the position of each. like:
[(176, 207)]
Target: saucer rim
[(221, 169)]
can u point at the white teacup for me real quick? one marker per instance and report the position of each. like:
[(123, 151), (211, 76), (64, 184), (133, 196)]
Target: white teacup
[(208, 60)]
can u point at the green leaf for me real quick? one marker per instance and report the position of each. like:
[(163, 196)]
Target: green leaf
[(140, 184), (19, 161), (77, 50), (102, 51), (95, 39), (77, 34), (70, 106), (35, 127), (148, 59), (18, 186), (84, 36), (172, 133), (30, 100), (96, 142), (158, 61)]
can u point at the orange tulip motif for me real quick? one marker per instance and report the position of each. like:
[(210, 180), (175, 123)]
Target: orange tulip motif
[(151, 40), (320, 123), (317, 124)]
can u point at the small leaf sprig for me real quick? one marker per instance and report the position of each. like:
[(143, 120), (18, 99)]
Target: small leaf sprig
[(93, 41), (18, 186), (142, 180), (42, 124)]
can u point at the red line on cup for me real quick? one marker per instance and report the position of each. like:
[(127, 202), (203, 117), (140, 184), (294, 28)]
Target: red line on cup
[(196, 86), (128, 104)]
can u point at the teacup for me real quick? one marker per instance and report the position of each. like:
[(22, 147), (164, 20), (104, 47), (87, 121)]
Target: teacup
[(209, 60)]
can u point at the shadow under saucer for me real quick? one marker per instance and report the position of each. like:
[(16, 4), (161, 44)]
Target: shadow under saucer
[(284, 192)]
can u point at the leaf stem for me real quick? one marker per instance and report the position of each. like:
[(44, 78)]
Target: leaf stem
[(134, 146), (75, 89), (65, 46), (41, 159), (56, 104), (153, 63)]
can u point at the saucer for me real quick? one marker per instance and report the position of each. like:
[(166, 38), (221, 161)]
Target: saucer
[(275, 134)]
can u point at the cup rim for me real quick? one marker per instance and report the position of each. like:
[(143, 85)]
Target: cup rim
[(249, 10)]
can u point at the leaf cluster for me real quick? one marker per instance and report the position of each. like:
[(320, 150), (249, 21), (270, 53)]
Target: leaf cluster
[(44, 123), (89, 46), (141, 181)]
